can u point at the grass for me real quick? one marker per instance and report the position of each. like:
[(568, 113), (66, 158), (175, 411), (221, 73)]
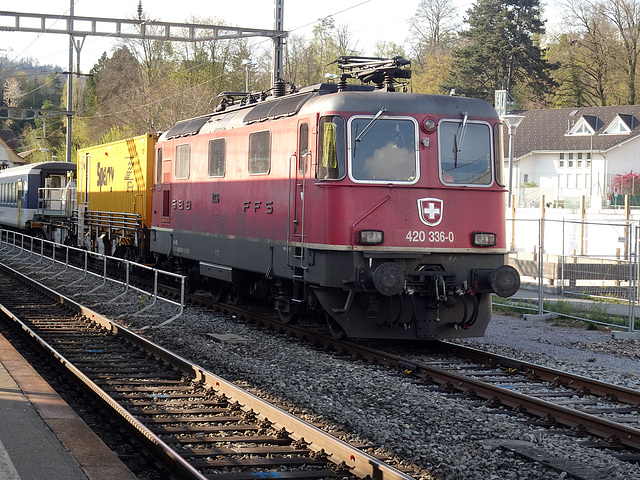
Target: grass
[(587, 314)]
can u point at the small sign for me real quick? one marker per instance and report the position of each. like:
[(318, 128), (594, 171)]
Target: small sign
[(622, 239)]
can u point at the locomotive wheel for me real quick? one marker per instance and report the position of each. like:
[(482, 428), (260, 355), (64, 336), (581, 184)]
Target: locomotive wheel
[(288, 317), (217, 289), (235, 294), (334, 328)]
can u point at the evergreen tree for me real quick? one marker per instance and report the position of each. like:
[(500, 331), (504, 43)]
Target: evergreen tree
[(500, 49)]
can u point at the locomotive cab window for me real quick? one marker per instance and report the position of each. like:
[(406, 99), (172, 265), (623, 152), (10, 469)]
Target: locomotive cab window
[(259, 153), (183, 159), (465, 153), (383, 149), (217, 157), (331, 148)]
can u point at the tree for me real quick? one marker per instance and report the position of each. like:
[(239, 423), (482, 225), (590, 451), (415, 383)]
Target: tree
[(501, 49), (588, 56), (12, 92), (433, 33), (434, 25), (625, 15)]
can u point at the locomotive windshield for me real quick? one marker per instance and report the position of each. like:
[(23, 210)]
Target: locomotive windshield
[(383, 150), (465, 153)]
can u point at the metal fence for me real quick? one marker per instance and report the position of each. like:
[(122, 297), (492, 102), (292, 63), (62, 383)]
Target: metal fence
[(18, 248), (578, 259)]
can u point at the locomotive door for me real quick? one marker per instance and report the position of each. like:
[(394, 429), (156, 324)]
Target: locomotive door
[(302, 169)]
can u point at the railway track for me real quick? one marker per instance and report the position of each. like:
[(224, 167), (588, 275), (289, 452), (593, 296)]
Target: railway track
[(581, 405), (585, 406), (196, 422)]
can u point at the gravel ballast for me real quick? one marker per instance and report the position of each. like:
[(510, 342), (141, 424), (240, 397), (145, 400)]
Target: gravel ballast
[(442, 436)]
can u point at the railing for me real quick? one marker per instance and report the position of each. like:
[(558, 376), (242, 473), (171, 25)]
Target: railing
[(57, 201), (112, 220), (14, 245)]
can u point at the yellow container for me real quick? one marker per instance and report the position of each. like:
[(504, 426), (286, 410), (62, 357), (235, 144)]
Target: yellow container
[(114, 192)]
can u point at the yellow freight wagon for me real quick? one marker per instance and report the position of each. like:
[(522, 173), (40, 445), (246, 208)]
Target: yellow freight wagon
[(114, 196)]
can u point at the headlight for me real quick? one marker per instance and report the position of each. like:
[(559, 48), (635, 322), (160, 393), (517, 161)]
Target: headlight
[(429, 125), (483, 239), (370, 237)]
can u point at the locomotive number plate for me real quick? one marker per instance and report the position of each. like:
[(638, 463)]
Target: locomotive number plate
[(432, 236)]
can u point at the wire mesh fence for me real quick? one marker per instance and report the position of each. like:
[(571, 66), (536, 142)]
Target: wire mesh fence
[(576, 258)]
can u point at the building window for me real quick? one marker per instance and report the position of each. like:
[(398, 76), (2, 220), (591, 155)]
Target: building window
[(570, 161), (561, 160), (259, 152), (579, 162), (217, 157), (525, 178), (588, 159)]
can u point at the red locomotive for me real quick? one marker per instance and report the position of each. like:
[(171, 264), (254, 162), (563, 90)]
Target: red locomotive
[(382, 210)]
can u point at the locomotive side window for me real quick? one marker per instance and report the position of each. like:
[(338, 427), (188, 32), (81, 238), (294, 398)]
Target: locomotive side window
[(383, 150), (465, 153), (259, 152), (331, 148), (183, 159), (303, 148), (159, 167), (497, 147), (217, 157)]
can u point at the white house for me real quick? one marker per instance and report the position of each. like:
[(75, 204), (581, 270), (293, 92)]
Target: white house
[(571, 152), (8, 157)]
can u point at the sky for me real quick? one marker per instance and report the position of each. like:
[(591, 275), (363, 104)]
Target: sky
[(369, 21)]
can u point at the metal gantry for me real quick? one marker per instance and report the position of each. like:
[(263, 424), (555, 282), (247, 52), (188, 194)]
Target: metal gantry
[(75, 26), (126, 28)]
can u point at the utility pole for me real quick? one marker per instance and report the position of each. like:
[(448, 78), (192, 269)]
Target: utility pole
[(278, 42), (70, 83)]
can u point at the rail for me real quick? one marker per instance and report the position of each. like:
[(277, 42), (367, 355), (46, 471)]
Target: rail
[(356, 462)]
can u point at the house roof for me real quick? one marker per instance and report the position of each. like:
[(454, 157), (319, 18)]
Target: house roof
[(546, 130), (7, 155), (10, 139)]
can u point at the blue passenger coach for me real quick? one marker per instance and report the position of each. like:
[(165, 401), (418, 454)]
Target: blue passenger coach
[(35, 196)]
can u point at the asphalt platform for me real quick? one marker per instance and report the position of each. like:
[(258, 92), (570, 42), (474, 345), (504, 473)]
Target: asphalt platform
[(41, 437)]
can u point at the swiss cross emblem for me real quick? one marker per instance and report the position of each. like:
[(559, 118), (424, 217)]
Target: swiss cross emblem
[(430, 211)]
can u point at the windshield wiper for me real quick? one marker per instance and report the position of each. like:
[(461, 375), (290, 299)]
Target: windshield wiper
[(371, 124), (457, 142)]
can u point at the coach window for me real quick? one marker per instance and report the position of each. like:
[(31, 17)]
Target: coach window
[(217, 157), (383, 149), (465, 153), (331, 148), (259, 152), (183, 154), (159, 167)]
